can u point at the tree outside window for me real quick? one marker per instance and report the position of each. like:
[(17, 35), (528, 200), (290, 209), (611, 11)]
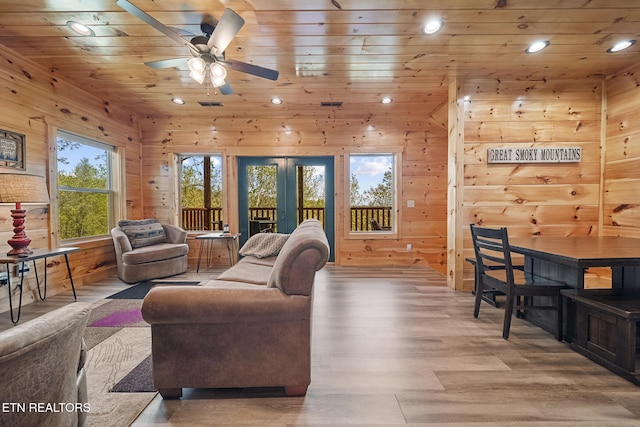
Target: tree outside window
[(84, 187)]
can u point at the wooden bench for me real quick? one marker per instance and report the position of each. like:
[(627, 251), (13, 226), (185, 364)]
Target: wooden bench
[(606, 328)]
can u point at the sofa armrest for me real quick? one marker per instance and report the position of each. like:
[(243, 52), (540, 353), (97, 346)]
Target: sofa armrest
[(175, 234), (197, 304)]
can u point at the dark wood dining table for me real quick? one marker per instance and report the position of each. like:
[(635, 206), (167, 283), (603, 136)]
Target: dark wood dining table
[(565, 259)]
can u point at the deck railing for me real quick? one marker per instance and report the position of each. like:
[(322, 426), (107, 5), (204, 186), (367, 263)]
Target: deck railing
[(200, 219)]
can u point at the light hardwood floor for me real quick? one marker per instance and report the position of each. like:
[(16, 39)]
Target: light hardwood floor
[(395, 346)]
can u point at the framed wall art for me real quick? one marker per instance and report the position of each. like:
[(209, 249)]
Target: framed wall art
[(12, 150)]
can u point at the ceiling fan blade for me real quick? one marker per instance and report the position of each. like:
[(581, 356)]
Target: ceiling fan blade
[(256, 70), (227, 28), (168, 63), (225, 89), (143, 16)]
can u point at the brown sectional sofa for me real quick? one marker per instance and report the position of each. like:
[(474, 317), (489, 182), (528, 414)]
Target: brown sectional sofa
[(250, 327)]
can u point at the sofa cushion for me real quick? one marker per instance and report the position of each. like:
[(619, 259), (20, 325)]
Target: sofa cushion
[(144, 232), (249, 272), (264, 245), (155, 253)]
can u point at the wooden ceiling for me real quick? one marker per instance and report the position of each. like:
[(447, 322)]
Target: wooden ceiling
[(350, 51)]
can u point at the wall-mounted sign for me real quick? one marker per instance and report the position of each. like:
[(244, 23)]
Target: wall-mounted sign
[(534, 155), (12, 150)]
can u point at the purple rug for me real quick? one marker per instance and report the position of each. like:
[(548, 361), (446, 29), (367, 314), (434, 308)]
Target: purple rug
[(120, 318), (118, 313)]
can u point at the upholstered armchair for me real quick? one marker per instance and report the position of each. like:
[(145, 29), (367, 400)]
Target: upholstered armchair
[(146, 249), (42, 369)]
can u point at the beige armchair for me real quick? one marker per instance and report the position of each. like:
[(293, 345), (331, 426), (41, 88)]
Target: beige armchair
[(146, 249), (42, 369)]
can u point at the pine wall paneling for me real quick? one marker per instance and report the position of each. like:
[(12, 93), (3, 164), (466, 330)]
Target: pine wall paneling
[(418, 134), (531, 199), (36, 103), (621, 205)]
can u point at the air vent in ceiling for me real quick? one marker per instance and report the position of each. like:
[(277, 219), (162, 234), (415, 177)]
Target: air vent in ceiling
[(331, 104), (210, 104)]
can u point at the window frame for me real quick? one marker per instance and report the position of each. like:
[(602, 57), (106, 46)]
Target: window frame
[(394, 233), (114, 184)]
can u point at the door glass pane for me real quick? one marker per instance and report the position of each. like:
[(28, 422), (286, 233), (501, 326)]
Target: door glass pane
[(262, 198), (311, 186)]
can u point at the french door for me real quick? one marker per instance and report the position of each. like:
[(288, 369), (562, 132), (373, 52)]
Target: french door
[(278, 193)]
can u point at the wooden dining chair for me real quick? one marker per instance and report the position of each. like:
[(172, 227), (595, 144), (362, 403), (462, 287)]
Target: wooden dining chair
[(491, 247)]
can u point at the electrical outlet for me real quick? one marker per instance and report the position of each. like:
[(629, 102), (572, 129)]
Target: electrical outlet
[(409, 247)]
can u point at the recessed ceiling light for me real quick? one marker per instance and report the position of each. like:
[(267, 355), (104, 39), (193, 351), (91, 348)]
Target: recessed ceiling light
[(276, 101), (621, 46), (79, 28), (178, 101), (386, 100), (432, 26), (537, 46)]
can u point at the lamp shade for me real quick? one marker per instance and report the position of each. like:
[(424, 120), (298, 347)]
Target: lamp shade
[(23, 188)]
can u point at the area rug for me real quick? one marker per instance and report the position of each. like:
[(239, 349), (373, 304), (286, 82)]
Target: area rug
[(138, 380), (140, 290), (107, 364)]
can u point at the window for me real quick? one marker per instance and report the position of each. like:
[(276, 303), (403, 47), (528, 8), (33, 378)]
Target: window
[(372, 192), (85, 196), (201, 192)]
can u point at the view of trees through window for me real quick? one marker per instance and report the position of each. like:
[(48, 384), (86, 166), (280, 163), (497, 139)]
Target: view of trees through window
[(83, 187), (371, 191), (201, 192), (262, 191)]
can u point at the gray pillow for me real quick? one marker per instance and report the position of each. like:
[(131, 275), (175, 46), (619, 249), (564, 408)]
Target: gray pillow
[(144, 232), (264, 245)]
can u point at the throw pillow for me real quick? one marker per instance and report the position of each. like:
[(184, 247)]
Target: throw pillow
[(144, 232), (264, 245)]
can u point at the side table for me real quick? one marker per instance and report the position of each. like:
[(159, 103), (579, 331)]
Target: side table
[(230, 239), (37, 254)]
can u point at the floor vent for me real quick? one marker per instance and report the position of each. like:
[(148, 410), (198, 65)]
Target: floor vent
[(331, 104), (210, 103)]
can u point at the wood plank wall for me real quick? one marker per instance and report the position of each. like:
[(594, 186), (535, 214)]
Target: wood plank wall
[(621, 199), (36, 103), (531, 199), (418, 132)]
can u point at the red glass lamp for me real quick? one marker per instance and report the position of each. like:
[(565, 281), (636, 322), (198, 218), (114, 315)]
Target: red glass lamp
[(18, 189)]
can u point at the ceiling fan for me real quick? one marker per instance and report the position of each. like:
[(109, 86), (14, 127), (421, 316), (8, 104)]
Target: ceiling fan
[(208, 58)]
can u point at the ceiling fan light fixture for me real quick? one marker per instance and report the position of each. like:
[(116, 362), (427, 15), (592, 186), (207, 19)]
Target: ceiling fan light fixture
[(622, 45), (81, 29), (197, 65), (197, 76), (537, 46), (218, 75)]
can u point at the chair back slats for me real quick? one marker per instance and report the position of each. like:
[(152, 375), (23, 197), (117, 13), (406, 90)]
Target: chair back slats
[(495, 273), (492, 251)]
